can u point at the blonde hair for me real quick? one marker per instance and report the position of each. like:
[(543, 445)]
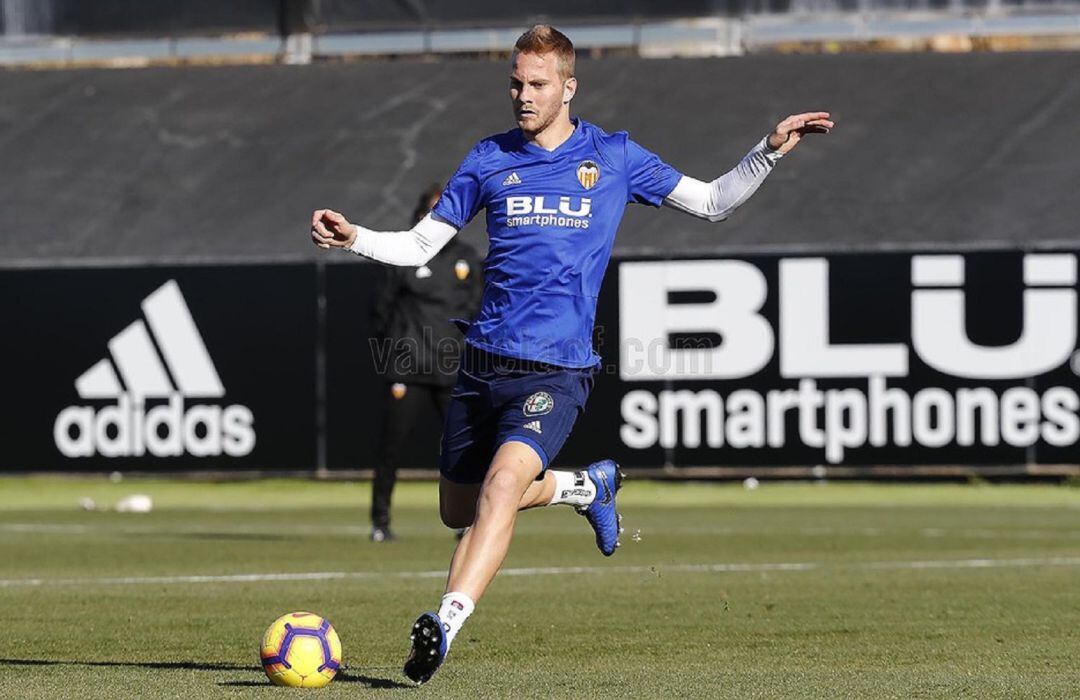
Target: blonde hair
[(544, 38)]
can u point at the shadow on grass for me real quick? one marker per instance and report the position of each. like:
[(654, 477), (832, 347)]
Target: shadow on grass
[(157, 665), (367, 681), (371, 681), (342, 677)]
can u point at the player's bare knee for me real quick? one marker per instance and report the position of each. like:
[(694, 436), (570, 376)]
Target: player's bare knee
[(501, 486)]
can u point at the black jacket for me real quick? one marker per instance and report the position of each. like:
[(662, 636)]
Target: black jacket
[(413, 338)]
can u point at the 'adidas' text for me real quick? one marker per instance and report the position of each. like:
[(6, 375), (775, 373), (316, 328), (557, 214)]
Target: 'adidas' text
[(149, 415)]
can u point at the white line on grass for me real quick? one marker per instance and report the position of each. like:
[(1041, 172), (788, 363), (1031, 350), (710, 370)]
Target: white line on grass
[(551, 571), (120, 529), (53, 528)]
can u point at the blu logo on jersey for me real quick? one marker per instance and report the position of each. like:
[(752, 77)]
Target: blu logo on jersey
[(570, 212), (536, 205)]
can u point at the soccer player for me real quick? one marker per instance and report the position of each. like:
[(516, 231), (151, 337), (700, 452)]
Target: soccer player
[(555, 189)]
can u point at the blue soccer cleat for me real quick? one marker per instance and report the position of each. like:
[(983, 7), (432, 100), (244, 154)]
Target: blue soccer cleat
[(601, 513), (428, 648)]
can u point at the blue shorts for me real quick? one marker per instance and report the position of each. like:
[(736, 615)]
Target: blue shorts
[(499, 399)]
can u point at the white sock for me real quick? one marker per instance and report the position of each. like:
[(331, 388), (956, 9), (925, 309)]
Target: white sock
[(453, 611), (573, 488)]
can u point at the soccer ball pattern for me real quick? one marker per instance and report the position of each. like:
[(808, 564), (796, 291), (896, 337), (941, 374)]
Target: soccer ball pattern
[(300, 650)]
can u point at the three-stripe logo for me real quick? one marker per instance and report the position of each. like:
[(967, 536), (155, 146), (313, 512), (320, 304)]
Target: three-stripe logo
[(164, 361)]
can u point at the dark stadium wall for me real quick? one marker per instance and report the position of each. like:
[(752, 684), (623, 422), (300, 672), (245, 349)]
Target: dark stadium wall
[(196, 184), (846, 360), (154, 18), (343, 15), (147, 164)]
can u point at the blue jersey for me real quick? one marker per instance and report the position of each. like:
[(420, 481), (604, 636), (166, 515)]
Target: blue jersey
[(551, 220)]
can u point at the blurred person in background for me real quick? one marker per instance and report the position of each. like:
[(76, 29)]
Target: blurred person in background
[(415, 341)]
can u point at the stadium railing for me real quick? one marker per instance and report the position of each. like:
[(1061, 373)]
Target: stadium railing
[(68, 32)]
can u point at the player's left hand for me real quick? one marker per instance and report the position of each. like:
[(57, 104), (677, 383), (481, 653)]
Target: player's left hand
[(789, 132)]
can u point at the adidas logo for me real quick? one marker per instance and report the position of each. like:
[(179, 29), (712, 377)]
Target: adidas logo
[(512, 179), (534, 426), (131, 428)]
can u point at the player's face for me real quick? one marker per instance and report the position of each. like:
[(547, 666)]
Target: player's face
[(537, 91)]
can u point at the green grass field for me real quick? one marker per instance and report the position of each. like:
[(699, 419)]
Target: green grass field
[(790, 591)]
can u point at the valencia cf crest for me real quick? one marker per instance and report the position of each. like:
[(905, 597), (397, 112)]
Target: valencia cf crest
[(588, 173)]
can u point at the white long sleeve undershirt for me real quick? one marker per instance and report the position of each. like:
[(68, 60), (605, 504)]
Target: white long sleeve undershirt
[(706, 200), (717, 199), (411, 248)]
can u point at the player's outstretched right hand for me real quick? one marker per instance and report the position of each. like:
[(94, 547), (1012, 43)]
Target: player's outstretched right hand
[(329, 229)]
